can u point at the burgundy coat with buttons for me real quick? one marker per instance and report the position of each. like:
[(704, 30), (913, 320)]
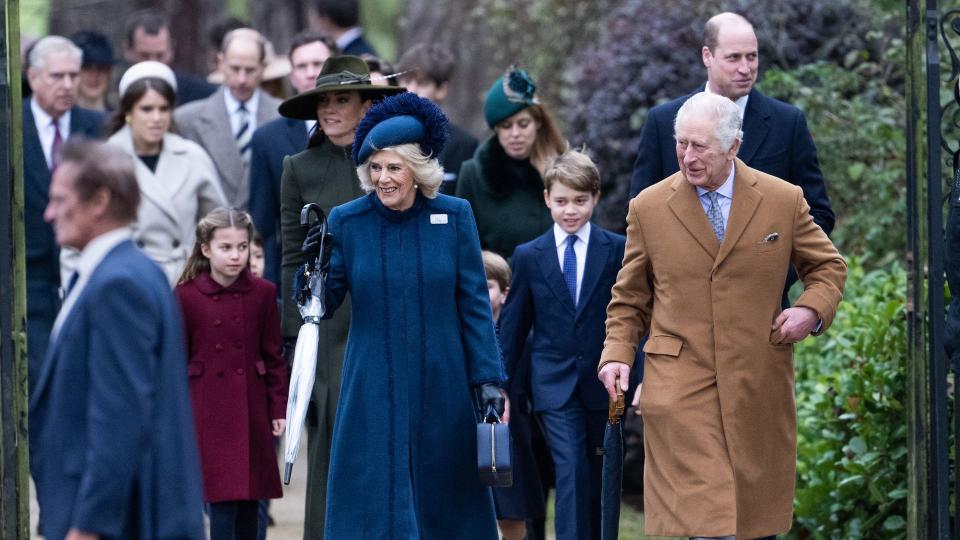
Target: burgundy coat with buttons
[(238, 383)]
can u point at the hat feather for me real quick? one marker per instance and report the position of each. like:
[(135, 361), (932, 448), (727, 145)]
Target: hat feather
[(406, 104)]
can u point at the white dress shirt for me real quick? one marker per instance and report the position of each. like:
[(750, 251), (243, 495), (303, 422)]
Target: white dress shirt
[(741, 101), (348, 36), (44, 124), (233, 106), (90, 259), (725, 199), (579, 247)]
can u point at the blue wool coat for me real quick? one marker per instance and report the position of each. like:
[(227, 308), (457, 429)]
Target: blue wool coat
[(421, 334)]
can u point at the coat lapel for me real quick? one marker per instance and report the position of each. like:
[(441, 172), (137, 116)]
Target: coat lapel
[(685, 204), (755, 125), (550, 266), (598, 252), (296, 134), (217, 139), (746, 198), (33, 153), (152, 185)]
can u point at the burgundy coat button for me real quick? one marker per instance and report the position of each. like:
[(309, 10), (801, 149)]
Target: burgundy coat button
[(216, 322), (240, 371), (219, 347)]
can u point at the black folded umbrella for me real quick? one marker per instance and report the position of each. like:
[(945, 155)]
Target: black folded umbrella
[(612, 478)]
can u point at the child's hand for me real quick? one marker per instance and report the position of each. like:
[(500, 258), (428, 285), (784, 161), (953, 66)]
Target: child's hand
[(278, 426)]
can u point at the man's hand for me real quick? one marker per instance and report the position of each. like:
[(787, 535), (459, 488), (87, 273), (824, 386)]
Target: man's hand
[(75, 534), (278, 425), (793, 324), (636, 400), (608, 376)]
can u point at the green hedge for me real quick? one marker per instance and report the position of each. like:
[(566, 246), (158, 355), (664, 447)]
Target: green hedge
[(852, 423)]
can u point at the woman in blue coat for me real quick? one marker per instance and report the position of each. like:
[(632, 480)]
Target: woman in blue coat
[(422, 353)]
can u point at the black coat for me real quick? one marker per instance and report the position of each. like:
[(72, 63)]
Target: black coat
[(43, 255), (460, 147), (775, 140), (269, 145), (191, 88)]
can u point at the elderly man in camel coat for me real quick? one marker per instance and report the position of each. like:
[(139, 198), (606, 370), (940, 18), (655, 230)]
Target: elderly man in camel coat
[(706, 257)]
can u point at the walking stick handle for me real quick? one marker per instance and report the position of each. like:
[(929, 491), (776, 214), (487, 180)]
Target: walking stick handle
[(616, 405)]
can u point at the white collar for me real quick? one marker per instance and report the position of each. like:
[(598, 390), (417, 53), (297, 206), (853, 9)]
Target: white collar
[(560, 235), (233, 103), (740, 101), (725, 189), (347, 37), (44, 120), (97, 249)]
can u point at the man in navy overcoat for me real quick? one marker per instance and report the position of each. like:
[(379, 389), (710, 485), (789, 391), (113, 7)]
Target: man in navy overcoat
[(775, 135), (113, 449), (53, 74), (276, 140)]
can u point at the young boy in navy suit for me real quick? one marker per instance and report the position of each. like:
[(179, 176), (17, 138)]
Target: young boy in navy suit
[(561, 288)]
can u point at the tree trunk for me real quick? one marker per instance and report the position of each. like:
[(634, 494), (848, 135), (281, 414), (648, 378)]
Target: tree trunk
[(279, 21)]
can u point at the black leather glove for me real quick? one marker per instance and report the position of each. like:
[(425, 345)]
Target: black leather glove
[(311, 247), (489, 395)]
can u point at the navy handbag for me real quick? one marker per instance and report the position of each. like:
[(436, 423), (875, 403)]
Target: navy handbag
[(494, 461)]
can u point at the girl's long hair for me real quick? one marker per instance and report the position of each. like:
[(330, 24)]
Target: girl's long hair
[(218, 218), (549, 142)]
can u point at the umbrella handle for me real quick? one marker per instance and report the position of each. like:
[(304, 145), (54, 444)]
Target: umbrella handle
[(616, 404), (309, 208)]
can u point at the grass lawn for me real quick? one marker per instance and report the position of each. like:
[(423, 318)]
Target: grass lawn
[(631, 523)]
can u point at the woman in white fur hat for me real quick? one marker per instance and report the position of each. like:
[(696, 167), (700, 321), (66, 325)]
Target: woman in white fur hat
[(178, 181)]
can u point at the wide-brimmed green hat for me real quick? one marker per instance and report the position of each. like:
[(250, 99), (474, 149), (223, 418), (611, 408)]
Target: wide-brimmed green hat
[(339, 73)]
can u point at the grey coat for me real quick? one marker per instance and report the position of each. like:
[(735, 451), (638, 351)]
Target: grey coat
[(206, 122)]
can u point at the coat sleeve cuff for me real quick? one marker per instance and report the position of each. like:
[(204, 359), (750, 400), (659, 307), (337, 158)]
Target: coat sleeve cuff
[(624, 354)]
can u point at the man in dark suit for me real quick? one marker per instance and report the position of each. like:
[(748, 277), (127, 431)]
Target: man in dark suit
[(561, 287), (340, 19), (50, 117), (280, 138), (427, 70), (776, 139), (113, 449), (223, 124), (148, 38)]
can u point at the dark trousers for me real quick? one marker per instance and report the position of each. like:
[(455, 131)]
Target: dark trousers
[(574, 435), (233, 520)]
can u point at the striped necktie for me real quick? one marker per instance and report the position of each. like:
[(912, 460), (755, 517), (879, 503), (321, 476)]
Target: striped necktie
[(715, 216), (244, 133), (56, 147)]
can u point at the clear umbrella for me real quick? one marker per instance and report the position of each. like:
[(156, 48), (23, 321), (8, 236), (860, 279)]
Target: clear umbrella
[(311, 303)]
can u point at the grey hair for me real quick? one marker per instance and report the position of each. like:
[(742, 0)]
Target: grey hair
[(725, 112), (51, 45), (427, 172)]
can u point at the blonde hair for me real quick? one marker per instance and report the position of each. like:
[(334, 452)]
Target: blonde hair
[(574, 169), (427, 172), (218, 218), (497, 269)]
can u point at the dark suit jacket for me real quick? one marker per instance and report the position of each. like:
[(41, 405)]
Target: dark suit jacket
[(112, 438), (270, 144), (460, 147), (43, 255), (358, 47), (191, 88), (775, 140), (566, 342)]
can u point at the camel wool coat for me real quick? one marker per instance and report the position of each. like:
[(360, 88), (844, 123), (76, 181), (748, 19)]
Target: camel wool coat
[(717, 400)]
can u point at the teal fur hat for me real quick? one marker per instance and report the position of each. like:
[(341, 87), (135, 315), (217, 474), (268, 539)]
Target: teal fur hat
[(510, 94)]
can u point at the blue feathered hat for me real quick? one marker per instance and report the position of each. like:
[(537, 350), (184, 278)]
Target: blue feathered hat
[(400, 119)]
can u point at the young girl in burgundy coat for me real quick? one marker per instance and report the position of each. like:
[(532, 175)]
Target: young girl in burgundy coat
[(238, 378)]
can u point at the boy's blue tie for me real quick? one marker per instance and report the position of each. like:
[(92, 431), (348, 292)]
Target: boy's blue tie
[(570, 267)]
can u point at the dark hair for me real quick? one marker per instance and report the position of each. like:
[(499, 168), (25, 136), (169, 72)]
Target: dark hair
[(573, 169), (711, 30), (218, 218), (256, 240), (381, 66), (152, 21), (134, 93), (309, 36), (101, 166), (221, 28), (427, 61), (343, 13)]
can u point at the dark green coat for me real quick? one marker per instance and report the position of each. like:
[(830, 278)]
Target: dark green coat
[(324, 175), (507, 198)]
